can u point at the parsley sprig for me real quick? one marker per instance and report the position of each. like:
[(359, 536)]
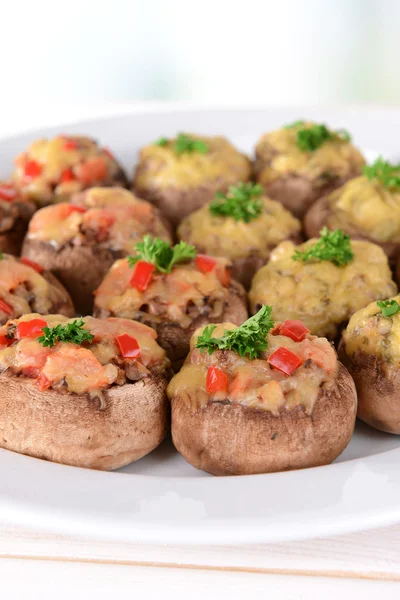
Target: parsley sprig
[(387, 174), (311, 137), (250, 339), (183, 143), (160, 254), (388, 307), (72, 332), (242, 202), (333, 246)]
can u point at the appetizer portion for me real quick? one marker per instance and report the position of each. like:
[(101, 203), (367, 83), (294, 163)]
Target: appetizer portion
[(304, 161), (172, 289), (87, 393), (15, 213), (242, 225), (322, 282), (370, 348), (52, 170), (261, 397), (181, 174), (25, 287), (368, 207), (79, 241)]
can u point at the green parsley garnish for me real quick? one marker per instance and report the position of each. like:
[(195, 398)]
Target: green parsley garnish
[(184, 144), (388, 175), (334, 246), (163, 141), (72, 333), (242, 202), (294, 124), (388, 307), (311, 138), (160, 254), (247, 340)]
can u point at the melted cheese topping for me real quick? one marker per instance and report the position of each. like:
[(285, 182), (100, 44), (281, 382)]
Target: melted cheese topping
[(67, 165), (321, 294), (223, 236), (168, 295), (113, 216), (254, 383), (278, 155), (161, 167), (363, 206), (81, 369)]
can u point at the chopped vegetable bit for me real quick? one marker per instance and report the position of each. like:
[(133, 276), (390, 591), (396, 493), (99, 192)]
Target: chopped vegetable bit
[(388, 175), (72, 333), (142, 275), (294, 329), (128, 346), (70, 145), (32, 169), (31, 263), (216, 380), (247, 340), (33, 328), (7, 192), (311, 138), (242, 202), (67, 176), (205, 263), (163, 141), (389, 308), (184, 144), (5, 341), (159, 253), (295, 124), (284, 360), (5, 307), (333, 246)]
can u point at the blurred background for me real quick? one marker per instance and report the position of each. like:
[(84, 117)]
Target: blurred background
[(97, 54)]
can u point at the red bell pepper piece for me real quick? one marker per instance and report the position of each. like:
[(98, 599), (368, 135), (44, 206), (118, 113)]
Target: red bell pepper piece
[(5, 341), (70, 145), (43, 383), (205, 263), (285, 360), (67, 176), (216, 380), (294, 329), (31, 263), (5, 307), (32, 169), (128, 346), (32, 328), (142, 275), (7, 192)]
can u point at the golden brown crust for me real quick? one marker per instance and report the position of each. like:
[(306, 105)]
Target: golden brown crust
[(71, 429), (231, 439)]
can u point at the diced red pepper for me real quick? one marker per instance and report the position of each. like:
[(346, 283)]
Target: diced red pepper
[(31, 263), (294, 329), (70, 145), (216, 380), (7, 192), (5, 307), (43, 383), (67, 176), (32, 169), (32, 372), (142, 275), (5, 341), (31, 328), (285, 360), (205, 263), (128, 346)]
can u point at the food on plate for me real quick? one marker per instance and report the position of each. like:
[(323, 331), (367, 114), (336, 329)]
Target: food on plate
[(80, 240), (26, 287), (172, 289), (323, 281), (304, 161), (15, 213), (370, 348), (242, 225), (51, 170), (367, 207), (87, 393), (261, 397), (181, 174)]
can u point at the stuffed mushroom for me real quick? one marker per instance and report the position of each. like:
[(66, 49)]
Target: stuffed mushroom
[(179, 175), (242, 225), (80, 240), (26, 287), (304, 161), (259, 398), (86, 393), (322, 282), (51, 170), (15, 213), (370, 348), (174, 290), (368, 207)]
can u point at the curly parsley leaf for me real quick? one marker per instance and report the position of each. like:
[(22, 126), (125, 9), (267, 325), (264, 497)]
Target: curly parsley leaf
[(72, 333), (163, 141), (184, 144), (250, 339), (160, 254), (387, 174), (333, 246), (242, 202), (389, 308), (295, 124), (312, 137)]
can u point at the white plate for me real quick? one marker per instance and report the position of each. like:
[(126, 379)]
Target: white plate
[(161, 499)]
